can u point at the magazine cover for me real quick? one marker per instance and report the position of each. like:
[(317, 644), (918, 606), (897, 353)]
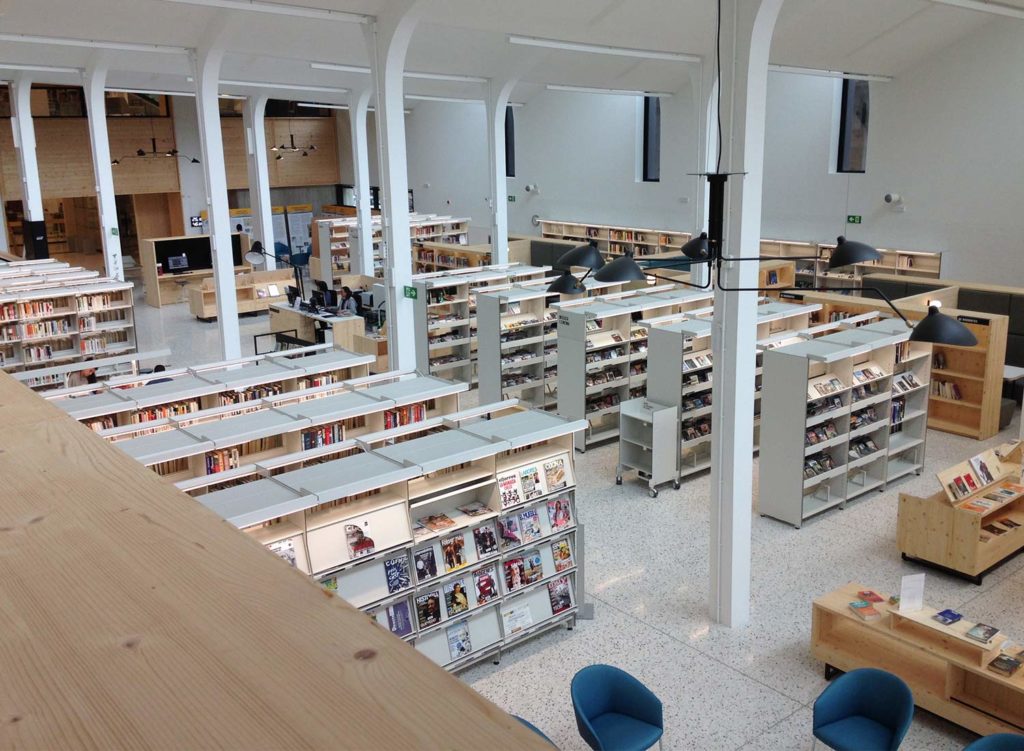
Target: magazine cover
[(554, 474), (981, 470), (562, 555), (419, 531), (453, 549), (359, 541), (426, 566), (529, 525), (559, 513), (515, 619), (399, 618), (486, 542), (511, 492), (437, 522), (458, 640), (284, 549), (428, 609), (330, 584), (396, 570), (456, 597), (486, 585), (558, 592), (474, 509), (508, 532), (514, 577), (532, 570), (529, 478)]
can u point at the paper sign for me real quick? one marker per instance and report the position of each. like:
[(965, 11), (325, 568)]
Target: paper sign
[(911, 593)]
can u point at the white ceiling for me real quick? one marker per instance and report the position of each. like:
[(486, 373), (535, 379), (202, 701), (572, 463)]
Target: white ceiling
[(470, 37)]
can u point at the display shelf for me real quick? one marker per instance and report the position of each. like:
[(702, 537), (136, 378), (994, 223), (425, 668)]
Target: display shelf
[(614, 240)]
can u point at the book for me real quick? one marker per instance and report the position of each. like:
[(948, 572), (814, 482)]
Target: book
[(475, 509), (510, 489), (865, 610), (947, 617), (515, 619), (554, 474), (1005, 664), (529, 525), (559, 513), (428, 609), (981, 470), (458, 640), (399, 618), (514, 578), (437, 522), (453, 552), (486, 542), (396, 571), (560, 595), (359, 542), (562, 555), (486, 584), (456, 598), (982, 632), (426, 566), (508, 533), (529, 478), (993, 529), (870, 596), (532, 568)]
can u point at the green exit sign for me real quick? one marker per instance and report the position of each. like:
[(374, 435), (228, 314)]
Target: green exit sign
[(511, 199), (853, 218), (410, 292)]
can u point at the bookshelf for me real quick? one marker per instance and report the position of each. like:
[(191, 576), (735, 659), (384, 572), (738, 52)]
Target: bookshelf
[(254, 292), (963, 531), (775, 275), (815, 273), (844, 419), (46, 322), (432, 256), (498, 562), (132, 400), (614, 240), (947, 673)]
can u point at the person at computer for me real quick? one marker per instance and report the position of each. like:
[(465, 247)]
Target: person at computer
[(348, 302)]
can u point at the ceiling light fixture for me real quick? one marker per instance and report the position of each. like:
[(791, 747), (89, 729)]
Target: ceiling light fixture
[(281, 9), (452, 99), (602, 49), (315, 106), (285, 86), (444, 77), (154, 153), (829, 73), (291, 148), (39, 68), (341, 68), (151, 92), (617, 92), (93, 43)]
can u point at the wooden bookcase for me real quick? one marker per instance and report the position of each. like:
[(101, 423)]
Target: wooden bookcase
[(254, 292), (776, 275), (614, 240), (432, 256), (945, 671)]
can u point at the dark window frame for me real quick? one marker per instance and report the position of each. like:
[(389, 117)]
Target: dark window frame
[(651, 146), (848, 126), (510, 142)]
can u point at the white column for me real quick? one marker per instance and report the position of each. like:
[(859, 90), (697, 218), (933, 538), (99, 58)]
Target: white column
[(746, 38), (95, 80), (191, 177), (497, 100), (5, 246), (25, 145), (361, 252), (253, 111), (705, 87), (207, 74), (392, 33)]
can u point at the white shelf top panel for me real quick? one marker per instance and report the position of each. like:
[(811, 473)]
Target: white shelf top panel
[(248, 427), (256, 502), (163, 446), (95, 405), (893, 326), (692, 327), (325, 361), (347, 476), (820, 350), (338, 407), (415, 389), (684, 295), (177, 389), (440, 450), (862, 336), (774, 311), (254, 375), (521, 428)]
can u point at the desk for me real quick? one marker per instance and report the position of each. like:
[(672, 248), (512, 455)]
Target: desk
[(166, 289), (345, 328)]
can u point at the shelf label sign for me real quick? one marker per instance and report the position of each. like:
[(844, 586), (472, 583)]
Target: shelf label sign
[(511, 199), (853, 218), (410, 292), (973, 319)]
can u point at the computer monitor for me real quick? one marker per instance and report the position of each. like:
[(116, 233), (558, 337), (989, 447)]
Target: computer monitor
[(177, 264), (320, 284), (330, 298), (317, 299), (293, 294)]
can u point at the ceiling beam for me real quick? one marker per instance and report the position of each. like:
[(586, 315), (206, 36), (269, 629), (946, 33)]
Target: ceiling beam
[(93, 43), (281, 9)]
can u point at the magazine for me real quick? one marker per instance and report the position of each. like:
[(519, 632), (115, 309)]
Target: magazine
[(559, 513), (475, 509), (559, 594), (284, 549), (419, 531), (359, 541), (458, 640), (426, 566), (486, 584), (532, 569), (981, 470), (508, 532), (515, 619), (529, 525), (437, 522), (511, 492), (428, 609), (453, 551), (399, 618), (555, 475), (456, 598), (486, 542), (514, 576), (396, 571), (562, 555), (530, 481)]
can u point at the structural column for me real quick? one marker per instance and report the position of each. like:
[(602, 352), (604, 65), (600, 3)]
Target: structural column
[(497, 100), (253, 111), (705, 88), (392, 33), (361, 251), (25, 145), (95, 81), (747, 28), (207, 66)]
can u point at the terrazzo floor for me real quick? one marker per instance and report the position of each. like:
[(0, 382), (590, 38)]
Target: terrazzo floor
[(647, 577)]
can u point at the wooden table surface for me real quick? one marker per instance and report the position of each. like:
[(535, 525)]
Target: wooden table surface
[(131, 616)]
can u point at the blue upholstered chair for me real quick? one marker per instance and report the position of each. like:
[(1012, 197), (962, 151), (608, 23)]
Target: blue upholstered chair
[(998, 742), (864, 710), (615, 711), (534, 728)]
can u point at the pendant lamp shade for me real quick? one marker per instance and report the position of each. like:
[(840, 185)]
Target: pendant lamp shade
[(939, 328), (566, 284), (848, 252), (697, 248), (622, 269), (588, 256)]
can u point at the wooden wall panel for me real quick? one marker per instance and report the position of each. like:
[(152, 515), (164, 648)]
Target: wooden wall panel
[(144, 175), (155, 216), (233, 133), (295, 170)]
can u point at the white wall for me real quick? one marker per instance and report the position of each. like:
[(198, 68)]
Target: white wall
[(345, 148), (946, 135), (192, 181)]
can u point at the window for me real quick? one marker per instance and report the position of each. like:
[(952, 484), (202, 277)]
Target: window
[(651, 168), (510, 143), (853, 127)]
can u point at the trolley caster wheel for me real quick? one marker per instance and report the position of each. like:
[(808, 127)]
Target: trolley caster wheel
[(676, 484), (654, 493), (618, 480)]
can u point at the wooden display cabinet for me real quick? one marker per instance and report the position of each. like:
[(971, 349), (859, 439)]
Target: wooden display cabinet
[(255, 292), (776, 275)]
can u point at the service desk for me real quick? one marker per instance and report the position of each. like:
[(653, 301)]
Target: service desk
[(345, 327)]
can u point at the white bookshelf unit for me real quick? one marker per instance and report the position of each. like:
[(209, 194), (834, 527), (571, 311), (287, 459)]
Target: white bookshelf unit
[(462, 541), (844, 418)]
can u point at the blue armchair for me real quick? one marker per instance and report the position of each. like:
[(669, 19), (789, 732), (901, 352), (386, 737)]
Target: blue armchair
[(534, 728), (998, 742), (615, 711), (864, 710)]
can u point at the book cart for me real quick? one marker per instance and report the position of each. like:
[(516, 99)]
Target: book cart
[(131, 400), (971, 526), (846, 413), (459, 536), (947, 672)]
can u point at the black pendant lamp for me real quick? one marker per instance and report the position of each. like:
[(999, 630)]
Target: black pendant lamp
[(587, 255), (696, 248), (938, 328), (566, 284), (849, 252), (622, 269)]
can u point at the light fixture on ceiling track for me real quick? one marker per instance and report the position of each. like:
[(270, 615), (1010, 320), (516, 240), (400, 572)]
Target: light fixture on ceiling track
[(291, 148), (154, 152)]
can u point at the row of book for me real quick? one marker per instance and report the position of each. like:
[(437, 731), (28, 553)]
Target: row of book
[(897, 411), (998, 528), (603, 401), (42, 352), (323, 435), (697, 362), (172, 409), (868, 373), (904, 383), (93, 322), (694, 429), (821, 433), (605, 354), (251, 394), (697, 402), (100, 302), (410, 413), (863, 417), (8, 312), (608, 375), (947, 390), (34, 308), (817, 464), (9, 334), (861, 447), (817, 407), (49, 327), (860, 393)]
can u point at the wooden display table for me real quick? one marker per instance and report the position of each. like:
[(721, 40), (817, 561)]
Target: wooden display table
[(945, 670), (164, 288), (373, 344), (345, 327), (255, 292)]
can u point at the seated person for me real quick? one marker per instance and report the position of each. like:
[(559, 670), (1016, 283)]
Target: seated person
[(159, 369), (348, 302)]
